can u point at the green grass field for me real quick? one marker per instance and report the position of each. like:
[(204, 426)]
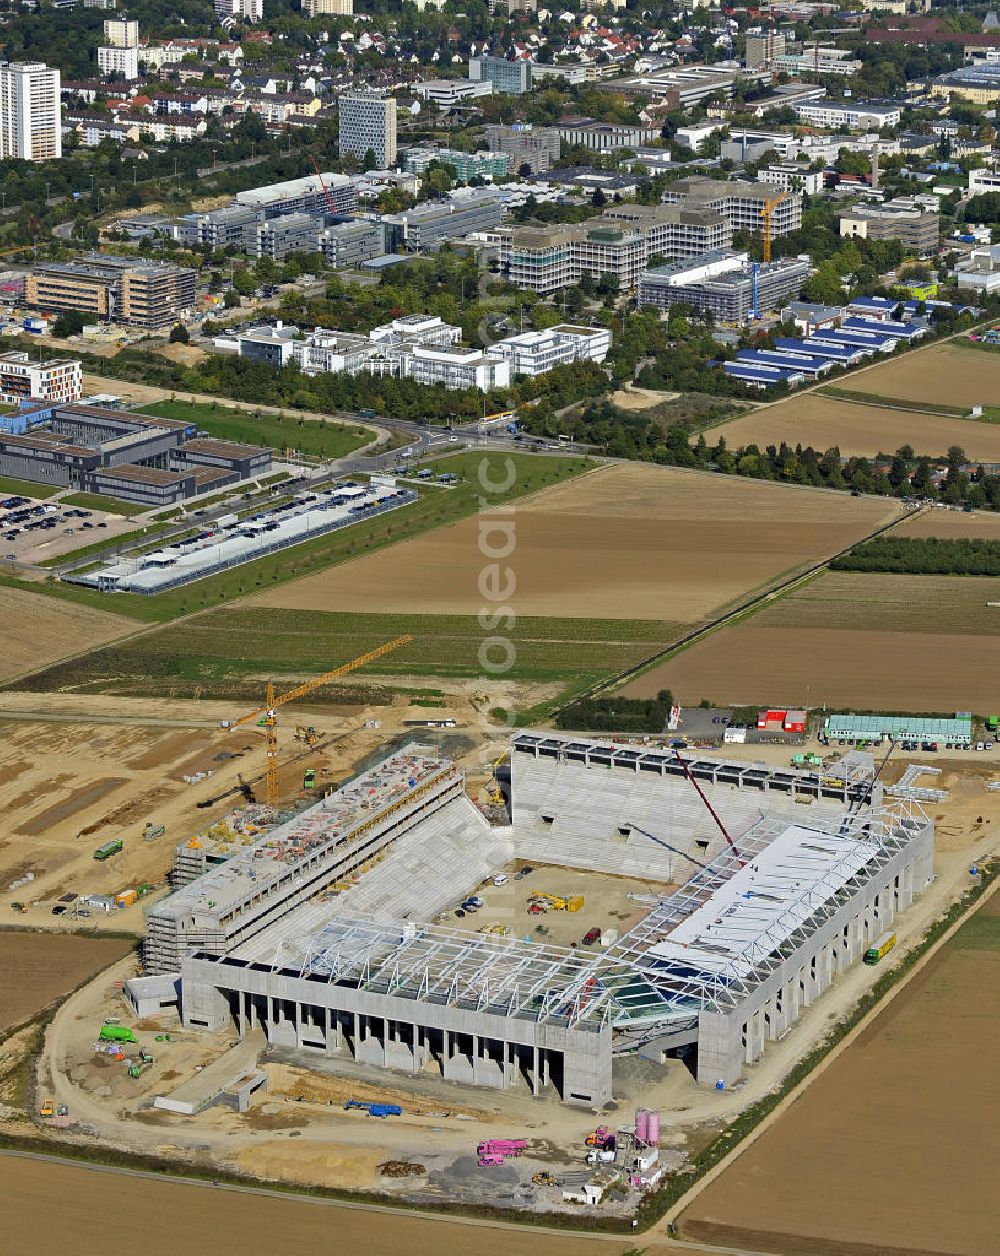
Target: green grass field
[(113, 505), (225, 653), (25, 488), (318, 438), (437, 506)]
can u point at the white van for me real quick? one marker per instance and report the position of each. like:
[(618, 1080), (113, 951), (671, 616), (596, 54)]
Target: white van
[(502, 879)]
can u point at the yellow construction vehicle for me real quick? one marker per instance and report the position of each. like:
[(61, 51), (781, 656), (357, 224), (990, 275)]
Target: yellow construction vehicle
[(495, 794), (553, 902), (266, 716), (47, 1108), (500, 930), (307, 735)]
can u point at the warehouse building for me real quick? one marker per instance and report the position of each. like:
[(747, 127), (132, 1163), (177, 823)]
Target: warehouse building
[(317, 936), (875, 729)]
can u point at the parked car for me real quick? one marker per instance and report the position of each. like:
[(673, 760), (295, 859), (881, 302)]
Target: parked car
[(591, 936)]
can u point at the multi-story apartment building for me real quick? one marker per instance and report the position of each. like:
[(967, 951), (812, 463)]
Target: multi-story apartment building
[(30, 124), (761, 50), (121, 32), (905, 218), (620, 243), (368, 123), (239, 10), (792, 177), (534, 352), (510, 77), (739, 201), (115, 60), (320, 8), (467, 166), (54, 379), (141, 293), (817, 59), (534, 147)]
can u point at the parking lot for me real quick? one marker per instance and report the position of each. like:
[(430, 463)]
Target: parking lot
[(32, 530), (507, 906)]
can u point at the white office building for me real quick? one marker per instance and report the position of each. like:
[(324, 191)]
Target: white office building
[(852, 115), (30, 122), (368, 123), (454, 367), (793, 177), (535, 352)]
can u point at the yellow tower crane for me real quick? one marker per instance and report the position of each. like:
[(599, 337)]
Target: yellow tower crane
[(767, 209), (267, 715)]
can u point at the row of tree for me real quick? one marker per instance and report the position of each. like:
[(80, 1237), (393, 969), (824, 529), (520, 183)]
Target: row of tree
[(924, 556), (615, 714)]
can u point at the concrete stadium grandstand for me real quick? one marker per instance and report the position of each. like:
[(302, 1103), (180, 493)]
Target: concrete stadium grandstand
[(323, 935)]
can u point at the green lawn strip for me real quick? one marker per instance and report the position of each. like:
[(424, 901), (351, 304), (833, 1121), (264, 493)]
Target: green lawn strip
[(213, 650), (321, 438), (980, 932), (112, 505), (893, 403), (25, 488), (527, 473)]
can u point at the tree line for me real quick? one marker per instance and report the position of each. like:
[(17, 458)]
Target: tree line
[(615, 714), (924, 556)]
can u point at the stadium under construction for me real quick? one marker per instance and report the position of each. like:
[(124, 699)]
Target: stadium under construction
[(321, 932)]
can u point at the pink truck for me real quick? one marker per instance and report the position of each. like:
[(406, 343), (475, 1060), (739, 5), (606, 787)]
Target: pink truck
[(494, 1151)]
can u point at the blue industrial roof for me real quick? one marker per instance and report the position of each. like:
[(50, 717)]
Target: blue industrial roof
[(873, 303), (770, 357), (759, 374), (859, 340), (904, 331), (818, 348)]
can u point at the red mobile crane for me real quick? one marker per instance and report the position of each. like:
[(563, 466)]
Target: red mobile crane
[(326, 191), (711, 810)]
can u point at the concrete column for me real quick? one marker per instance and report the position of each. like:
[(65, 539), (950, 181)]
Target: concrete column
[(534, 1070)]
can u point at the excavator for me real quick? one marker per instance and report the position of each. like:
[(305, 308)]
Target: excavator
[(555, 902)]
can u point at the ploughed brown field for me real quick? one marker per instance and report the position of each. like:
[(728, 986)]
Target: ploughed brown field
[(36, 968), (953, 524), (941, 374), (39, 629), (857, 429), (626, 542), (51, 1207), (871, 641), (894, 1149)]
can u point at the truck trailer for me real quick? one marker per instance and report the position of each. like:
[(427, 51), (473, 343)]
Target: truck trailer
[(880, 948)]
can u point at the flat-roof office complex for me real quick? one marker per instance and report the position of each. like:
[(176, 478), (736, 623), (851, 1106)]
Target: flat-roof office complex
[(317, 933), (137, 457)]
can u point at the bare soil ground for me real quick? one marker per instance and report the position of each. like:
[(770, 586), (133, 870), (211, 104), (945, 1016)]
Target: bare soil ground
[(38, 629), (633, 398), (625, 542), (36, 968), (941, 374), (903, 643), (187, 355), (952, 524), (864, 430), (888, 1151), (176, 1217)]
